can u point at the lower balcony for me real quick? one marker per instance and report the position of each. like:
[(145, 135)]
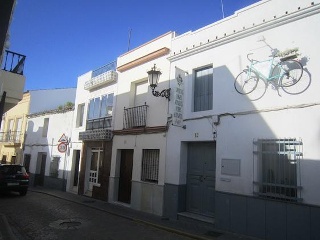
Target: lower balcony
[(11, 138), (97, 129)]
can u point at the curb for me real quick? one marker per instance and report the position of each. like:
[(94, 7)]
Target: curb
[(168, 229), (5, 230)]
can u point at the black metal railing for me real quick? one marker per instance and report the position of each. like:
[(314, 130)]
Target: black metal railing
[(14, 62), (135, 117), (99, 123), (11, 136)]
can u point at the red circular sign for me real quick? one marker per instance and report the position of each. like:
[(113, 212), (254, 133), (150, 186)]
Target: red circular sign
[(62, 147)]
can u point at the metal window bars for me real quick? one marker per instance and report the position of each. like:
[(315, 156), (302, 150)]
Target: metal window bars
[(276, 168), (150, 165)]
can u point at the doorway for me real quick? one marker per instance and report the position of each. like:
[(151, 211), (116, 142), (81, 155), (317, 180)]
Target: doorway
[(126, 163), (201, 178), (40, 169)]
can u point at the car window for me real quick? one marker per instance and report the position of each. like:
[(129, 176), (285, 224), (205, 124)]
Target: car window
[(12, 169)]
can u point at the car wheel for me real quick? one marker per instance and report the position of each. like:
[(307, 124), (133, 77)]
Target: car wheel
[(23, 192)]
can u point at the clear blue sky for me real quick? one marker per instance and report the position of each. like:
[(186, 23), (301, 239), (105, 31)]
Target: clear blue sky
[(63, 39)]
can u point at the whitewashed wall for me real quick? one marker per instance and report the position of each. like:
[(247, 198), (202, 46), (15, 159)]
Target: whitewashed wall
[(283, 24), (59, 124)]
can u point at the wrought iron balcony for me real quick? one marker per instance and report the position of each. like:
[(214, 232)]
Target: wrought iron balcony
[(14, 62), (11, 137), (104, 75), (135, 117)]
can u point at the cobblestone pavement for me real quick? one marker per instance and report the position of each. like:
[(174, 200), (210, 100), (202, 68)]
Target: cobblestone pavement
[(50, 214)]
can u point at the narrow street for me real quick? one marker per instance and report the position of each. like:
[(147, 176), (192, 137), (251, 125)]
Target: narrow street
[(41, 216)]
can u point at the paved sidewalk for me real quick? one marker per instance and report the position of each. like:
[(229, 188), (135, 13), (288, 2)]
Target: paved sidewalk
[(194, 231)]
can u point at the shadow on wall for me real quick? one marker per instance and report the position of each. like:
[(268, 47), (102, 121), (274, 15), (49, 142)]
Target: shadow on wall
[(36, 153)]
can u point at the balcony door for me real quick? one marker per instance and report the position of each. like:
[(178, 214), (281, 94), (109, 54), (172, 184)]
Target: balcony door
[(141, 91)]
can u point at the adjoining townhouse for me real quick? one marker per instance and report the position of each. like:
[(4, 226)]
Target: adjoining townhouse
[(249, 161), (140, 127), (91, 139), (12, 80), (12, 132), (49, 120)]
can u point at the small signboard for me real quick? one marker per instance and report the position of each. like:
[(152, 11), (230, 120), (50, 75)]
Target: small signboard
[(63, 139), (62, 147)]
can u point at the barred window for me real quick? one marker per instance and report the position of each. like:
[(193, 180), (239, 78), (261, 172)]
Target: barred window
[(150, 165), (277, 169)]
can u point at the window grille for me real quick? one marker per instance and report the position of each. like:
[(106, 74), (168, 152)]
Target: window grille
[(150, 165), (277, 169)]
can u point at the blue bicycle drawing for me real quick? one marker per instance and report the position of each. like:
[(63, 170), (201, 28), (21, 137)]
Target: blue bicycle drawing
[(284, 71)]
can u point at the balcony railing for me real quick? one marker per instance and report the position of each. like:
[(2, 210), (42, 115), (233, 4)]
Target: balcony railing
[(135, 117), (11, 137), (102, 76), (97, 129), (14, 62), (99, 123)]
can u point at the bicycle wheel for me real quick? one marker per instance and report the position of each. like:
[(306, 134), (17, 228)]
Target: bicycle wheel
[(291, 73), (246, 82)]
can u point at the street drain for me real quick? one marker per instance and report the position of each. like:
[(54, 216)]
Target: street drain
[(72, 223)]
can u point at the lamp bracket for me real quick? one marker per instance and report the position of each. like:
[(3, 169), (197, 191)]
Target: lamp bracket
[(164, 93)]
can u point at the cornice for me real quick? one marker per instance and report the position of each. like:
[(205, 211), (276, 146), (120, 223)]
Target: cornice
[(245, 32), (151, 56)]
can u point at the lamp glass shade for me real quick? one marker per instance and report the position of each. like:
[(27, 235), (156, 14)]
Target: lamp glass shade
[(153, 77)]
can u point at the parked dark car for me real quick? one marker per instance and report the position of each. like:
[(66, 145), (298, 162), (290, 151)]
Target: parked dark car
[(14, 178)]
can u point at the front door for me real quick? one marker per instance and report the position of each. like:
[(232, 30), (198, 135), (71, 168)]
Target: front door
[(201, 178), (124, 193), (94, 168), (40, 169)]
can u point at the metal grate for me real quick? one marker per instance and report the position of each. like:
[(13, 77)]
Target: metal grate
[(135, 117), (150, 165), (277, 168)]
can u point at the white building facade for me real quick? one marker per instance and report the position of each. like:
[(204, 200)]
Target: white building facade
[(140, 126), (249, 161), (90, 152), (47, 138)]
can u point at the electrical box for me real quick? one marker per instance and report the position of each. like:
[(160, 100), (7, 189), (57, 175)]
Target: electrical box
[(230, 167)]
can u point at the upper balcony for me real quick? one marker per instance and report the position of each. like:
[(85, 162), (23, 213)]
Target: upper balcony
[(12, 79), (135, 122), (102, 76)]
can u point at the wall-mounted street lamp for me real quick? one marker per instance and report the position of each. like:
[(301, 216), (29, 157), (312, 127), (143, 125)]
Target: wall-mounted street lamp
[(153, 77)]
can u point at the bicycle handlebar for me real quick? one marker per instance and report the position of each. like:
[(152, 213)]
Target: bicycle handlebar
[(248, 57)]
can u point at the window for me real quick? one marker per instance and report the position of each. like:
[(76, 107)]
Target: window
[(45, 127), (150, 165), (106, 105), (80, 113), (99, 108), (277, 169), (54, 167), (203, 88)]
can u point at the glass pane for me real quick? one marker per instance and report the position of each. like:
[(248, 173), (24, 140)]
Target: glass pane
[(91, 109), (96, 111)]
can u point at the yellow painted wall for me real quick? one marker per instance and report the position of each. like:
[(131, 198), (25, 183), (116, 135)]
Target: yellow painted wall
[(7, 147)]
